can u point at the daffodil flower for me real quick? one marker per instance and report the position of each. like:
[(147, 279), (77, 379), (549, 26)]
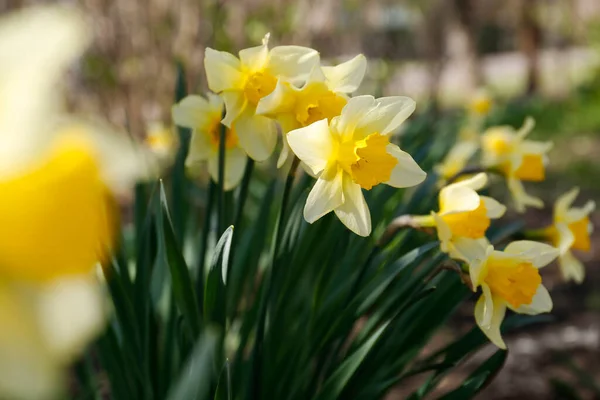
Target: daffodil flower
[(58, 182), (571, 231), (480, 104), (162, 141), (204, 118), (353, 152), (245, 81), (517, 158), (456, 159), (323, 96), (508, 279), (463, 213)]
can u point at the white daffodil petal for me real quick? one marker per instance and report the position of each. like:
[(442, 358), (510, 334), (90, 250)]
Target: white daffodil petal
[(346, 77), (443, 231), (292, 63), (565, 237), (491, 330), (527, 127), (475, 253), (520, 197), (235, 163), (535, 147), (223, 71), (192, 112), (71, 312), (352, 114), (279, 101), (407, 172), (235, 104), (255, 58), (458, 199), (571, 268), (476, 182), (578, 213), (540, 254), (257, 135), (385, 117), (541, 303), (493, 208), (200, 149), (354, 212), (313, 145), (325, 196), (564, 202)]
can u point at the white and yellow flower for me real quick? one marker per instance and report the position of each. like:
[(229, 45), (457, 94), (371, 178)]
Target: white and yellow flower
[(480, 103), (58, 182), (323, 96), (463, 213), (162, 141), (517, 158), (571, 231), (508, 279), (245, 81), (204, 119), (456, 159), (353, 152)]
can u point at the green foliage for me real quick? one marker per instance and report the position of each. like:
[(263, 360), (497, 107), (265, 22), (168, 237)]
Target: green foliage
[(278, 308)]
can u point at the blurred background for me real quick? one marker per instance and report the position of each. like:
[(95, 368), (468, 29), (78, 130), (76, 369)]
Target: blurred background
[(535, 57)]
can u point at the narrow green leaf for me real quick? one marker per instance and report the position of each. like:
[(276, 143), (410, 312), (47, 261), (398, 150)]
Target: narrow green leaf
[(214, 291), (197, 376), (183, 289), (481, 377)]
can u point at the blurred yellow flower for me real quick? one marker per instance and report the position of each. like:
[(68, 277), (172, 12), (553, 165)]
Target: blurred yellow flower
[(571, 231), (463, 212), (323, 96), (456, 159), (351, 152), (508, 279), (162, 141), (204, 118), (245, 81), (518, 159), (57, 208), (481, 103)]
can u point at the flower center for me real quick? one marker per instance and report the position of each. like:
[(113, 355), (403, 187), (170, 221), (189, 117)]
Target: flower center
[(531, 168), (580, 230), (317, 102), (258, 85), (367, 160), (481, 105), (57, 218), (470, 224), (515, 281), (497, 141), (214, 131)]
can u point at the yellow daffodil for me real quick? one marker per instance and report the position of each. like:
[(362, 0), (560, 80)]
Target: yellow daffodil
[(456, 159), (508, 279), (480, 103), (571, 231), (245, 81), (323, 96), (162, 141), (517, 158), (204, 118), (351, 152), (58, 178), (463, 212)]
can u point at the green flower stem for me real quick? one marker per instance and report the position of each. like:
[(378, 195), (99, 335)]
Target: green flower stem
[(537, 234), (241, 200), (255, 382), (204, 243), (221, 182)]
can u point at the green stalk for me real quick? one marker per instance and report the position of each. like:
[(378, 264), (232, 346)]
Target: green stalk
[(257, 353), (221, 182), (239, 213), (204, 244)]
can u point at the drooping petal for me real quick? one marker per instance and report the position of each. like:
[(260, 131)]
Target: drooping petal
[(565, 237), (489, 316), (539, 254), (521, 198), (354, 212), (407, 172), (257, 135), (235, 162), (279, 101), (325, 196), (292, 63), (235, 104), (71, 313), (223, 71), (346, 77), (193, 112), (313, 145), (444, 232), (475, 253), (385, 116), (571, 268), (494, 208), (200, 149), (541, 303)]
